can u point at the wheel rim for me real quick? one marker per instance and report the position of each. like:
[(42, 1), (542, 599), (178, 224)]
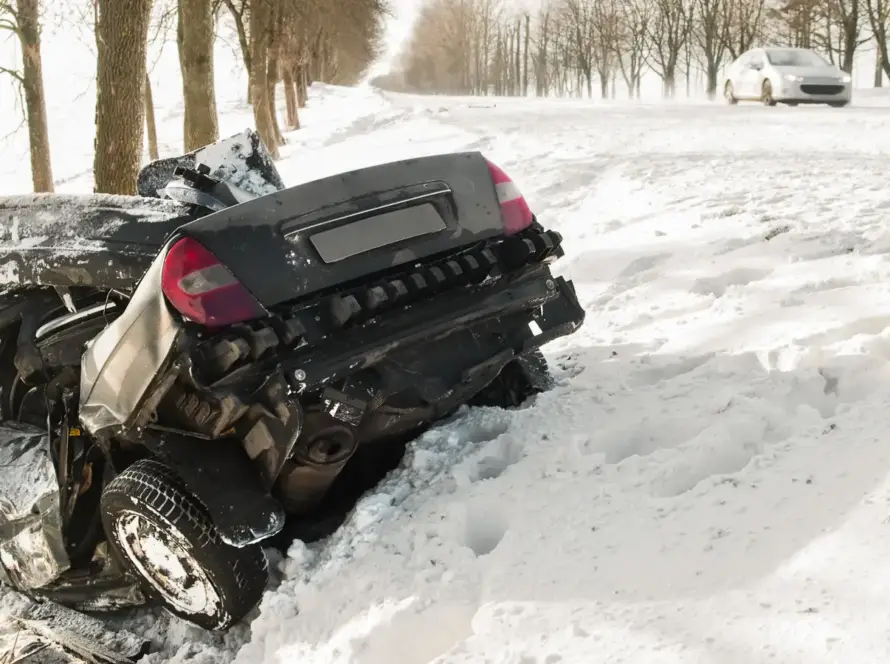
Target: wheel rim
[(160, 557), (727, 92), (767, 93)]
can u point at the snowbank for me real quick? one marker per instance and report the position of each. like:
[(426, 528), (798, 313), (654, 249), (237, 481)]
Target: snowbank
[(708, 480)]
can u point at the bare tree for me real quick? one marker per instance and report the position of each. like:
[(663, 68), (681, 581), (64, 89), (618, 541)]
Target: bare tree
[(879, 18), (276, 27), (842, 31), (540, 59), (743, 25), (587, 39), (710, 32), (150, 124), (121, 37), (632, 46), (23, 20), (668, 35), (260, 37)]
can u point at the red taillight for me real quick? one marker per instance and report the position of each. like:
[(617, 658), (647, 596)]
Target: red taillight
[(515, 212), (203, 290)]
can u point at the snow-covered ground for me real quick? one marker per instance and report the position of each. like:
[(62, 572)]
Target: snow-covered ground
[(710, 479)]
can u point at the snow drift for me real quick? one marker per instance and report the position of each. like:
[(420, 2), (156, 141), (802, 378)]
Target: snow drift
[(709, 479)]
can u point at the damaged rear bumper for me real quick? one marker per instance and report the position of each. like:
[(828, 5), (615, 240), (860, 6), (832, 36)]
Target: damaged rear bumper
[(522, 313)]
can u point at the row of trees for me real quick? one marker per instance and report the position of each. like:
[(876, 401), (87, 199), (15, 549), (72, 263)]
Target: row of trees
[(282, 42), (483, 47)]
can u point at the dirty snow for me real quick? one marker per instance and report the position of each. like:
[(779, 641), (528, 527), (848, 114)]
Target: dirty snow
[(710, 479)]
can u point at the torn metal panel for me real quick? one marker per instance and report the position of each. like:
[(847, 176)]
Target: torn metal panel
[(103, 586), (32, 549), (119, 365)]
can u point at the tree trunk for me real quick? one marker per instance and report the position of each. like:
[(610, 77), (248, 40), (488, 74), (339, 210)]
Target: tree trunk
[(272, 74), (122, 33), (150, 125), (290, 98), (302, 86), (879, 71), (35, 101), (194, 37), (528, 19), (517, 61), (670, 84), (260, 19), (712, 80), (849, 54)]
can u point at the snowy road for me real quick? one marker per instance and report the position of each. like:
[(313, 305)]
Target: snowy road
[(708, 483), (709, 480)]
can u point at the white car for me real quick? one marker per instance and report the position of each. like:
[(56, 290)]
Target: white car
[(788, 75)]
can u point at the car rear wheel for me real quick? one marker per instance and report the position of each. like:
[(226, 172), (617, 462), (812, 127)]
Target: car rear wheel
[(766, 95), (839, 104), (729, 94), (164, 535)]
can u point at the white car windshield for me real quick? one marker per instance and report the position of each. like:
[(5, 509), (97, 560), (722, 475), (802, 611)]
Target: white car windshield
[(795, 58)]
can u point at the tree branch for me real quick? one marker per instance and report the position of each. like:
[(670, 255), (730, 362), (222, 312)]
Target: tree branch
[(12, 72)]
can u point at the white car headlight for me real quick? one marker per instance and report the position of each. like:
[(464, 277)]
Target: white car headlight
[(793, 78), (846, 78)]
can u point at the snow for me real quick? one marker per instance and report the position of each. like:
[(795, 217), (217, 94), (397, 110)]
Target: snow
[(709, 481)]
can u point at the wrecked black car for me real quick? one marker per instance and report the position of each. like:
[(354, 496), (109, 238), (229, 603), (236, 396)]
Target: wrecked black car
[(185, 372)]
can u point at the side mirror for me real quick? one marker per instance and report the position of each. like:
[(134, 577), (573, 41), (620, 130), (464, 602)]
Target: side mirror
[(756, 66)]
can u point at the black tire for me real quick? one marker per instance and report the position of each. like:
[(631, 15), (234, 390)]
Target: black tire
[(839, 104), (766, 95), (149, 496), (729, 94), (518, 381)]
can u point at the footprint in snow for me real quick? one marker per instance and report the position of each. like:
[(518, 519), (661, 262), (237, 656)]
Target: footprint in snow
[(717, 286), (484, 530), (494, 459), (644, 263), (480, 525)]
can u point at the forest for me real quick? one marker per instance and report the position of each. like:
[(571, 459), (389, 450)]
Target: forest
[(285, 46), (569, 48), (597, 48)]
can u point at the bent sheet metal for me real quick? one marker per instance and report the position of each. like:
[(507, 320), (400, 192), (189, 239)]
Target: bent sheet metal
[(32, 551)]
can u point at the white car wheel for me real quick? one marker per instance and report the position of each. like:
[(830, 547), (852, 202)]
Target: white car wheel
[(162, 558)]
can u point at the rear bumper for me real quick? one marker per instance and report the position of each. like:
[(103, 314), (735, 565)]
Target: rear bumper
[(518, 312), (527, 311)]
